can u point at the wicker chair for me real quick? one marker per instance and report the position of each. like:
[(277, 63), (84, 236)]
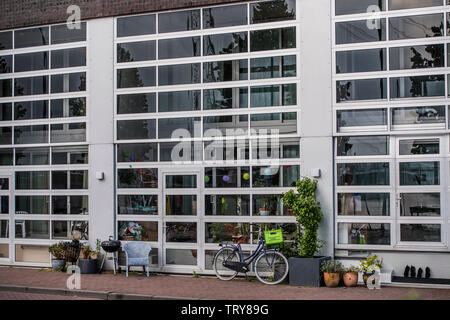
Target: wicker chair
[(137, 254)]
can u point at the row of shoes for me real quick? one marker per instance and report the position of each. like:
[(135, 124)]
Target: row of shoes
[(410, 272)]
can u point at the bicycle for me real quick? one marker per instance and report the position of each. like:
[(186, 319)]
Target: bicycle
[(270, 266)]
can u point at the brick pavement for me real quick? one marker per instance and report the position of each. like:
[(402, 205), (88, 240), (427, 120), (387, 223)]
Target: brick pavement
[(208, 287)]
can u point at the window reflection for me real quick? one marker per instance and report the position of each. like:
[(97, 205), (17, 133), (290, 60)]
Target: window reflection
[(361, 118), (138, 178), (225, 16), (357, 6), (179, 48), (32, 205), (420, 204), (31, 37), (31, 61), (364, 233), (179, 74), (363, 89), (272, 39), (418, 115), (420, 232), (364, 204), (137, 152), (225, 43), (72, 82), (181, 232), (136, 77), (360, 31), (136, 129), (62, 34), (363, 174), (138, 230), (231, 70), (136, 103), (227, 205), (361, 60), (362, 146), (31, 134), (32, 156), (419, 173), (181, 205), (31, 110), (31, 86), (416, 57), (137, 204), (271, 11), (413, 27), (226, 98), (136, 51), (419, 86), (418, 147), (179, 101), (219, 232), (179, 21), (137, 25)]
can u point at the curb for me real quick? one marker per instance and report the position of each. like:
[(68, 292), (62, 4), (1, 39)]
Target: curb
[(103, 295)]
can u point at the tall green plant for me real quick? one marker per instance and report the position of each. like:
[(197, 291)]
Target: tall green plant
[(308, 214)]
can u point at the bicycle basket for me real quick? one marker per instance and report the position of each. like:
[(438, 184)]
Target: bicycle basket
[(273, 237)]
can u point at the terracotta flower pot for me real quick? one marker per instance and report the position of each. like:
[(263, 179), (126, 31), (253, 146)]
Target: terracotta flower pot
[(331, 279), (351, 279)]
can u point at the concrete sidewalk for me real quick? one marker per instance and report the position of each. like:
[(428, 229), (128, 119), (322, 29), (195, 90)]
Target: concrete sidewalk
[(161, 286)]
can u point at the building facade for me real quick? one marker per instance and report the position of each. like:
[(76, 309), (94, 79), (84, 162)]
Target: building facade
[(181, 125)]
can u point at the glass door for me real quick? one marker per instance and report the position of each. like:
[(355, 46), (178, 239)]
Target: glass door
[(420, 192), (5, 218), (181, 220)]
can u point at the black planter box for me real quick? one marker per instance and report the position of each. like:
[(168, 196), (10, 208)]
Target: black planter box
[(305, 272), (88, 266)]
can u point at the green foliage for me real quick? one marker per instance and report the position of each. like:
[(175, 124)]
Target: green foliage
[(331, 266), (195, 274), (352, 269), (308, 214), (371, 263), (58, 250)]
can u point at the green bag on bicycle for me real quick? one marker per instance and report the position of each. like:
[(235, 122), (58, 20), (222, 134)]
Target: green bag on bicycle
[(274, 238)]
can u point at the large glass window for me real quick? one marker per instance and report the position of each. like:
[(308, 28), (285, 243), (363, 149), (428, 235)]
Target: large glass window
[(179, 21), (68, 58), (75, 179), (138, 230), (136, 77), (70, 155), (219, 150), (5, 135), (136, 129), (274, 123), (32, 204), (32, 156), (363, 204), (181, 205), (227, 205), (5, 111), (226, 98), (31, 37), (137, 204), (179, 101), (6, 64), (413, 27), (6, 40), (32, 180), (136, 51), (272, 39), (31, 86), (365, 89), (416, 57), (32, 229), (360, 31), (31, 61), (138, 178), (268, 205), (418, 147), (137, 25), (420, 232), (271, 11), (418, 115), (419, 173), (181, 232), (214, 126), (273, 95), (225, 16), (137, 152), (179, 48), (357, 6), (228, 177), (178, 127), (361, 60), (219, 232), (231, 70), (136, 103), (31, 110), (62, 34), (179, 74), (410, 4), (419, 86), (31, 134), (358, 119), (362, 146), (5, 88), (273, 67), (72, 82), (225, 43), (69, 107), (363, 174), (420, 204), (68, 132), (70, 205), (6, 157), (364, 233)]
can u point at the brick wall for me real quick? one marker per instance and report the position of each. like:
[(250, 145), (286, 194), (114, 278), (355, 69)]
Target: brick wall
[(24, 13)]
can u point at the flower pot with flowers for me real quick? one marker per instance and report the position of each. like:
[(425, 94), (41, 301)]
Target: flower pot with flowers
[(58, 252), (369, 265), (332, 272)]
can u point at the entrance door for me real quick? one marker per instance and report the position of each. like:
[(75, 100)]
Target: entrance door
[(181, 220), (5, 219), (420, 190)]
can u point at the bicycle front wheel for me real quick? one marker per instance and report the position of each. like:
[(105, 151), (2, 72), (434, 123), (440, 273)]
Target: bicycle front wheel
[(271, 267), (226, 254)]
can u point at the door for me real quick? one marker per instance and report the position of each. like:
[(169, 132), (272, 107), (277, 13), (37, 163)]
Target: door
[(420, 190), (181, 221), (6, 228)]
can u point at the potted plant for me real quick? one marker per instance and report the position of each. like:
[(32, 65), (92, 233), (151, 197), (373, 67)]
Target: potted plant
[(304, 268), (58, 252), (351, 276), (332, 272), (369, 266), (88, 261), (265, 210)]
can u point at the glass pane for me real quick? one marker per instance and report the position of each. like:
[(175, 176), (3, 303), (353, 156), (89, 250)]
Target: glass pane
[(363, 174), (225, 43), (360, 31), (179, 48), (364, 204), (136, 51), (365, 89), (31, 37), (178, 127), (220, 232), (6, 64), (5, 88), (410, 4), (418, 115), (31, 134), (31, 86), (413, 27), (217, 126), (180, 151), (31, 61), (6, 40), (59, 180), (274, 123), (136, 103), (419, 173), (179, 74), (357, 6), (228, 150), (272, 39), (420, 204), (32, 156), (31, 110), (36, 180), (179, 21), (362, 146), (65, 108), (420, 86), (268, 205), (416, 57), (266, 176), (291, 174), (226, 98), (179, 101), (6, 157), (364, 233), (70, 155), (137, 25), (5, 111), (62, 34), (32, 204), (181, 232), (237, 177), (361, 118), (136, 129), (271, 11), (361, 60), (226, 16), (72, 82), (68, 58), (4, 205), (137, 204), (181, 205), (4, 184), (185, 257), (275, 149), (289, 230), (70, 205), (137, 178), (5, 135), (4, 248), (32, 229), (32, 253), (231, 70), (263, 68), (136, 77), (79, 179), (275, 95), (138, 230), (420, 232), (137, 152), (68, 132), (4, 229), (64, 229), (181, 181), (416, 147), (227, 205)]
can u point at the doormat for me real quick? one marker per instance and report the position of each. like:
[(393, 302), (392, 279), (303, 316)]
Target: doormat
[(422, 280)]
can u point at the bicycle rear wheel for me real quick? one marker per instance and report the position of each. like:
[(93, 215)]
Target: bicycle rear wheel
[(223, 255), (271, 267)]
